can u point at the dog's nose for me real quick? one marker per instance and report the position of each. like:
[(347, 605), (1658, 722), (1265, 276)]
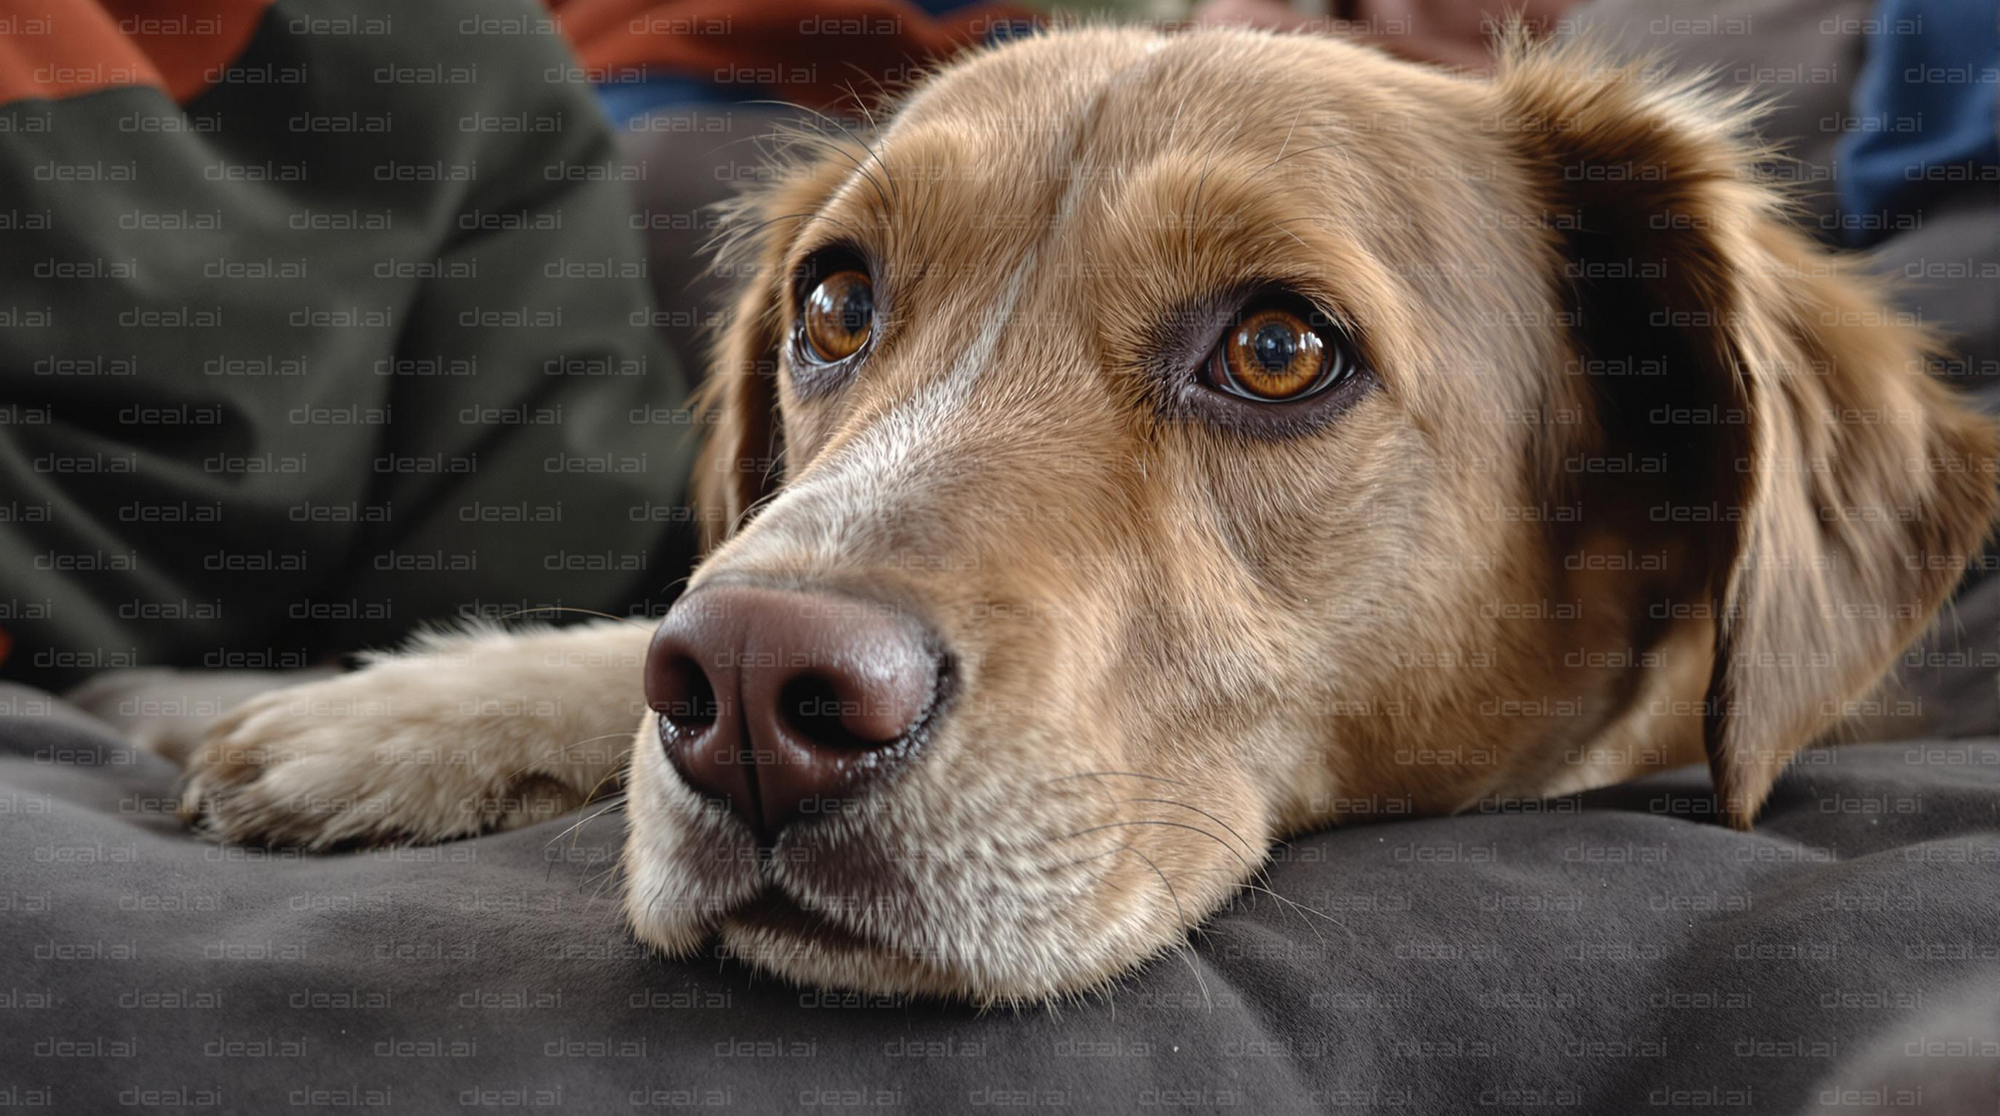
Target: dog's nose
[(784, 703)]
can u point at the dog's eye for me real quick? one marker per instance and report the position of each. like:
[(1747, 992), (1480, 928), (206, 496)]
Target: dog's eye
[(839, 315), (1276, 352)]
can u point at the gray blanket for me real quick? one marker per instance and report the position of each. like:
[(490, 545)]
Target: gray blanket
[(1615, 952)]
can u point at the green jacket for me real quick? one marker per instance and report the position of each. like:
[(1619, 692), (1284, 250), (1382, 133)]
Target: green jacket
[(352, 337)]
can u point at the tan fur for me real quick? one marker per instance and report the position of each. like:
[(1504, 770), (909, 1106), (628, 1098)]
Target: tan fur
[(1644, 475)]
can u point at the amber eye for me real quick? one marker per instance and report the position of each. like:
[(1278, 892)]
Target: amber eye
[(1274, 353), (839, 315)]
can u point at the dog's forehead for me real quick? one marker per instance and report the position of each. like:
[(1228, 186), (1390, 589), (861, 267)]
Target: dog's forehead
[(1116, 97), (1009, 188), (1057, 145), (1032, 91)]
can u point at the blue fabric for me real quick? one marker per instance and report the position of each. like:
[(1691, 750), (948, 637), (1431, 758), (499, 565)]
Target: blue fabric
[(1925, 107)]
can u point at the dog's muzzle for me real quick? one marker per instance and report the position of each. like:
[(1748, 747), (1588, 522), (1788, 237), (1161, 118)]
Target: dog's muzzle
[(785, 704)]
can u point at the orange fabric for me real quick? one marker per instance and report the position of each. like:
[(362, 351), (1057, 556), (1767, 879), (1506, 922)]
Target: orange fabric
[(813, 52), (51, 49)]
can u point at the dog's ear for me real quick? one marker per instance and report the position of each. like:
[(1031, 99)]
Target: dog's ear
[(742, 458), (739, 461), (1840, 489)]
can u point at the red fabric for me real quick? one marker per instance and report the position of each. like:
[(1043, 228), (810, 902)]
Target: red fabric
[(814, 52), (62, 48)]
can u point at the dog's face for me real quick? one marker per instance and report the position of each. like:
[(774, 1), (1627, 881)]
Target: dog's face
[(1271, 434)]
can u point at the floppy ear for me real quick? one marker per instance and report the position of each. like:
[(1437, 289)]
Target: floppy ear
[(740, 459), (1839, 489)]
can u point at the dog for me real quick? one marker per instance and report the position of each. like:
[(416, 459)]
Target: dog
[(1142, 447)]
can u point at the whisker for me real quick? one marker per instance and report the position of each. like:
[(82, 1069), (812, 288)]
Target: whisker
[(1255, 871), (770, 496), (1289, 131), (1301, 151), (560, 752), (861, 102), (884, 195), (577, 825), (1186, 950), (1259, 872), (1194, 207), (734, 232), (1110, 774), (520, 612), (723, 244), (672, 588), (624, 766), (1160, 822), (609, 876), (1099, 876), (1301, 908), (1290, 233), (1230, 829)]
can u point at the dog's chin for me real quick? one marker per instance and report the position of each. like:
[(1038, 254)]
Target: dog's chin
[(776, 935), (773, 933), (832, 907)]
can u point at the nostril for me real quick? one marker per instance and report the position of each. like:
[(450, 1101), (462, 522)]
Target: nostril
[(812, 706), (685, 698), (863, 704)]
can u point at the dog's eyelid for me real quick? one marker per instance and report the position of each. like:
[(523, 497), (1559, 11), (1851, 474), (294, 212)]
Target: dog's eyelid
[(1323, 310), (1305, 293), (824, 259), (1315, 308)]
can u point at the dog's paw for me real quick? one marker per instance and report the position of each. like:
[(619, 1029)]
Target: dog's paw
[(406, 751), (170, 712)]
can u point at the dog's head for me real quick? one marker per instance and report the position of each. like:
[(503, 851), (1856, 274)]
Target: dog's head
[(1141, 448)]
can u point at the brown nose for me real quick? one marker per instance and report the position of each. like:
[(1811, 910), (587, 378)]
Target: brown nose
[(784, 703)]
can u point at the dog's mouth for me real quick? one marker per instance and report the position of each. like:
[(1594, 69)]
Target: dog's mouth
[(873, 902), (779, 934), (774, 912)]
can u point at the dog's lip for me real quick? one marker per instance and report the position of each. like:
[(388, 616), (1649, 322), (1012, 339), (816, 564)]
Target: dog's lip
[(774, 911)]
